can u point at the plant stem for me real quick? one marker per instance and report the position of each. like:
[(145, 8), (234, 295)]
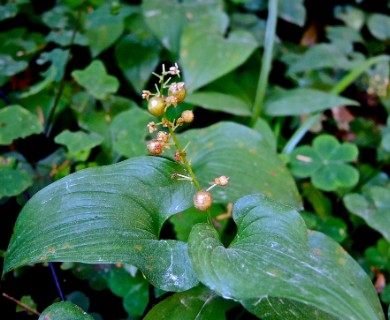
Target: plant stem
[(266, 60), (57, 98), (23, 305), (300, 133), (346, 81), (351, 76), (184, 157)]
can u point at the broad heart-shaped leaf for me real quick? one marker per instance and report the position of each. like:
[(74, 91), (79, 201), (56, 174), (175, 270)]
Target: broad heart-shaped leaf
[(95, 79), (243, 155), (108, 214), (325, 163), (17, 122), (167, 18), (373, 205), (65, 311), (199, 303), (104, 28), (219, 102), (271, 256), (137, 60), (304, 100), (206, 54)]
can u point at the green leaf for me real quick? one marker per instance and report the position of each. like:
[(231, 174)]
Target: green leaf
[(292, 11), (379, 26), (9, 66), (219, 102), (28, 301), (304, 100), (79, 299), (8, 10), (167, 18), (13, 179), (78, 141), (272, 256), (379, 256), (17, 122), (103, 29), (245, 156), (198, 303), (321, 56), (58, 59), (110, 214), (352, 16), (129, 132), (133, 289), (207, 55), (95, 79), (137, 60), (373, 206), (325, 163), (65, 311)]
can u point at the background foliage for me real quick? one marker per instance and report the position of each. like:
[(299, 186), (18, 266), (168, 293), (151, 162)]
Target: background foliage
[(309, 178)]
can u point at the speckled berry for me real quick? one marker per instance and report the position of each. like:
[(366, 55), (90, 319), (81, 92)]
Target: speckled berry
[(203, 200), (155, 147), (156, 105), (178, 91)]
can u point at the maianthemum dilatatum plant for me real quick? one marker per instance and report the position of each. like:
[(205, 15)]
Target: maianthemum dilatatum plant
[(274, 267), (238, 241)]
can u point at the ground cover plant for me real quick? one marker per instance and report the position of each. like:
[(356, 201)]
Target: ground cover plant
[(166, 159)]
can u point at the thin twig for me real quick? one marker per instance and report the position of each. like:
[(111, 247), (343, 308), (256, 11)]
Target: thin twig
[(62, 83), (20, 303)]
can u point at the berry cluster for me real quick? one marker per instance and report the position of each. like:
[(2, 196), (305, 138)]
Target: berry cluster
[(158, 103)]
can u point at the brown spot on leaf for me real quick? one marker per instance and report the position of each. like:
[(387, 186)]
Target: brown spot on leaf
[(138, 247), (149, 268)]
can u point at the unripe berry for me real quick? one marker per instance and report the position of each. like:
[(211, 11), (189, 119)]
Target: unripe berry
[(155, 147), (178, 91), (188, 116), (203, 200), (156, 105)]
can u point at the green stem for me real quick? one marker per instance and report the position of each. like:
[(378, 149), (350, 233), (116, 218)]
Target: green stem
[(266, 60), (57, 98), (184, 157), (351, 76), (300, 133), (346, 81)]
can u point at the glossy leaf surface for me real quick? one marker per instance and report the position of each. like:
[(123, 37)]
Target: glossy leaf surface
[(220, 102), (206, 54), (245, 156), (64, 311), (198, 303), (272, 256), (108, 215), (167, 18)]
